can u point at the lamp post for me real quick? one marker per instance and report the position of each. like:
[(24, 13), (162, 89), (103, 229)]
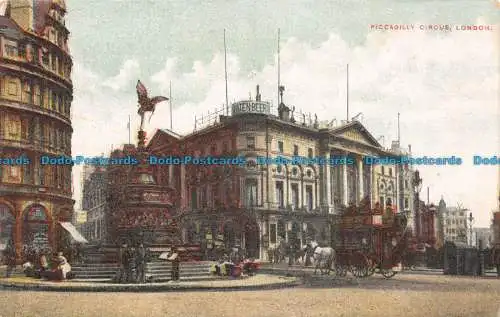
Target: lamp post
[(471, 220), (417, 186)]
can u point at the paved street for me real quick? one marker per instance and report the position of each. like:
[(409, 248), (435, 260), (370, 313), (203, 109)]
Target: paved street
[(405, 295)]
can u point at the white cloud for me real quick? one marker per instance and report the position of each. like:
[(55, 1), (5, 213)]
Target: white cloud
[(128, 73), (444, 86)]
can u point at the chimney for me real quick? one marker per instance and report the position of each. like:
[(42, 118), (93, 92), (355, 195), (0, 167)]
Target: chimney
[(257, 96), (409, 148), (427, 195)]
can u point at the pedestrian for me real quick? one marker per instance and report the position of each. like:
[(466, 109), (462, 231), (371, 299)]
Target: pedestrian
[(175, 260), (10, 258), (123, 261), (140, 263)]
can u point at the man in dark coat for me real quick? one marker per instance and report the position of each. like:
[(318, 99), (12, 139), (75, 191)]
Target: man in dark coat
[(141, 263), (175, 260), (10, 258), (123, 261)]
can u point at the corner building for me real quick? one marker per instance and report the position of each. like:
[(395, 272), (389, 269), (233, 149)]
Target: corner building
[(35, 106), (257, 205)]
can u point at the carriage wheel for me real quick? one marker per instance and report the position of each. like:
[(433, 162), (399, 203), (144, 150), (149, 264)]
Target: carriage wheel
[(388, 273), (341, 270), (359, 270)]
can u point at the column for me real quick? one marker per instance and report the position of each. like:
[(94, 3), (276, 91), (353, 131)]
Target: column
[(360, 179), (344, 182), (372, 188), (328, 183), (18, 238), (398, 194), (171, 175), (184, 194)]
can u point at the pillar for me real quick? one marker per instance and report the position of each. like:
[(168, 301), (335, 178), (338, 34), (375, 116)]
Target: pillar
[(360, 179), (171, 175), (184, 194), (372, 188), (327, 179), (18, 237), (344, 182)]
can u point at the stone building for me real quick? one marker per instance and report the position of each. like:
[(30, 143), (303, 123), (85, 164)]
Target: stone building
[(254, 205), (94, 203), (35, 120), (455, 225)]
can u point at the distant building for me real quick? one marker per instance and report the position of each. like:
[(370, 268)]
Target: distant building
[(94, 203), (484, 234), (455, 223)]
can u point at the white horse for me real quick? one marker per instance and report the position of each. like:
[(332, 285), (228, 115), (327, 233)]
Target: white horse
[(323, 257)]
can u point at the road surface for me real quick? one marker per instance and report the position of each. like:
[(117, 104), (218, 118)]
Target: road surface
[(405, 295)]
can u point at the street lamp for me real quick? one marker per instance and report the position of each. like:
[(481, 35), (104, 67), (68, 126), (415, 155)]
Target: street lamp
[(471, 220), (417, 186)]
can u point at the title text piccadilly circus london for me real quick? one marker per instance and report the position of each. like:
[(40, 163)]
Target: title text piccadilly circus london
[(430, 27)]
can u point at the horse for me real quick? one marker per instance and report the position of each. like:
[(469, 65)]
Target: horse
[(321, 255)]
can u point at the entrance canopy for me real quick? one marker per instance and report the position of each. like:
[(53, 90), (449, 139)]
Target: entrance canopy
[(74, 233)]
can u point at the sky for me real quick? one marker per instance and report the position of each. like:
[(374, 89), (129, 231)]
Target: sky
[(443, 83)]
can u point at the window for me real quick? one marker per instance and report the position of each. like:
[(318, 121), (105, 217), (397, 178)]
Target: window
[(310, 153), (12, 88), (53, 101), (251, 192), (38, 99), (28, 94), (279, 194), (54, 63), (381, 201), (407, 204), (45, 58), (295, 196), (280, 146), (250, 142), (309, 197), (41, 175), (225, 147), (382, 170), (390, 171), (11, 50), (272, 233), (406, 184), (296, 150)]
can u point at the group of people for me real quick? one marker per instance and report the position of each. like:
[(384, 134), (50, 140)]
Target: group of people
[(234, 265), (54, 268), (132, 264)]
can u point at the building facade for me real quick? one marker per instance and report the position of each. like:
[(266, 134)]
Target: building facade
[(256, 205), (94, 203), (35, 120), (455, 223), (482, 234)]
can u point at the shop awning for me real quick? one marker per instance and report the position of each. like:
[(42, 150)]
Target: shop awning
[(74, 233)]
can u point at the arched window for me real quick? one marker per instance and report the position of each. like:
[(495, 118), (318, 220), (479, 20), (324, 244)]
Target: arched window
[(36, 228)]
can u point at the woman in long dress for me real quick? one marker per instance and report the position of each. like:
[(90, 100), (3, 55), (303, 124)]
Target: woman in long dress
[(64, 266)]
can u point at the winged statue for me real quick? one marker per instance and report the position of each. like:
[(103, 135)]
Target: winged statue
[(146, 104)]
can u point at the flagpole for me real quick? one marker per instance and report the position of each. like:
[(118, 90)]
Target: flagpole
[(347, 85), (279, 70), (170, 99), (129, 142), (399, 135), (225, 72)]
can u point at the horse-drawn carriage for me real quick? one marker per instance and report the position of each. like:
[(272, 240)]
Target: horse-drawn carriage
[(370, 241)]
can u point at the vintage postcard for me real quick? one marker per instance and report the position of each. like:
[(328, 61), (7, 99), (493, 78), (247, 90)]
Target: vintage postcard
[(249, 158)]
